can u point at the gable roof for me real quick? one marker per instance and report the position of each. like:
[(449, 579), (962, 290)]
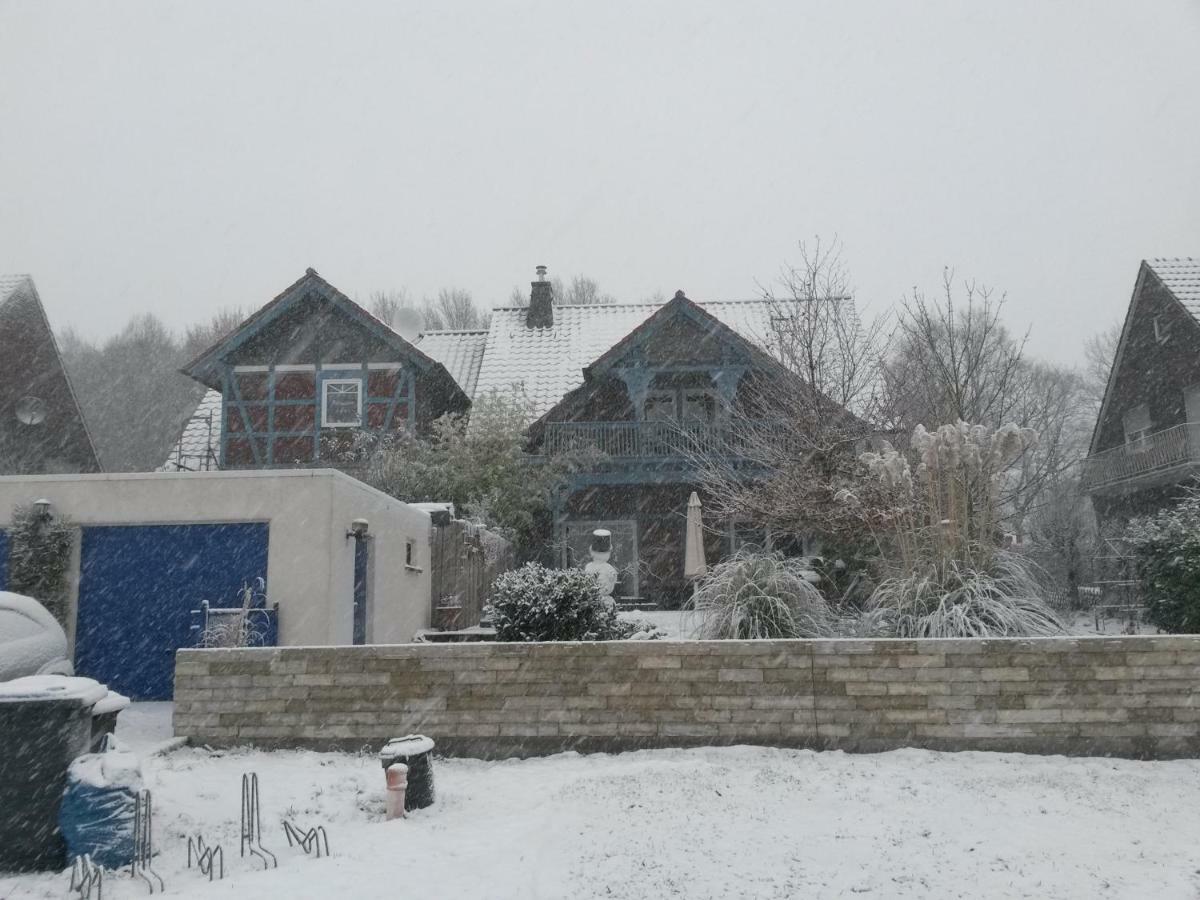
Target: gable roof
[(203, 367), (31, 367), (461, 352), (1180, 276), (548, 363)]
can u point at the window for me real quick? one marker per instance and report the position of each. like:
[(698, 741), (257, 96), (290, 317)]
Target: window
[(1137, 427), (699, 406), (341, 402), (660, 406)]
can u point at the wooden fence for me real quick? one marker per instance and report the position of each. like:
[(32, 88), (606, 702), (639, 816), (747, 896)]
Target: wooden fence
[(466, 561)]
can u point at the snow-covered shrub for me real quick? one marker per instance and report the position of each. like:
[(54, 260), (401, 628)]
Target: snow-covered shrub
[(1167, 549), (936, 521), (1002, 601), (760, 595), (534, 603)]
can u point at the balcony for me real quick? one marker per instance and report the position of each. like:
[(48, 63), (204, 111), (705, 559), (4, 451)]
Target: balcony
[(1158, 458), (659, 440)]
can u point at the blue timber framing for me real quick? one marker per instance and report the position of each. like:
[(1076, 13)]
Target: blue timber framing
[(234, 397)]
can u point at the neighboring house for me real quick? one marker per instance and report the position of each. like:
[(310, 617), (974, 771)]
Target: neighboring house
[(646, 386), (41, 427), (295, 382), (1146, 443)]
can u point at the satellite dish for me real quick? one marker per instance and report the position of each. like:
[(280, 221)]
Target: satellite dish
[(408, 323), (31, 411)]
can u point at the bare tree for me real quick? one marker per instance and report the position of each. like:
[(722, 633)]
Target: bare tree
[(198, 338), (956, 360), (953, 359), (817, 333), (1099, 354), (801, 426), (453, 309), (386, 305), (579, 291)]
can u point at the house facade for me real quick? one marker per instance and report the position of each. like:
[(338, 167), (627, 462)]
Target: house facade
[(41, 427), (297, 381), (1146, 443)]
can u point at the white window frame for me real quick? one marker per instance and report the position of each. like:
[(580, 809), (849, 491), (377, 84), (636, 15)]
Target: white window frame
[(325, 385)]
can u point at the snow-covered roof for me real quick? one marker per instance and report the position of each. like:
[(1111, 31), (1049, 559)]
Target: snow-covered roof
[(546, 363), (461, 352), (1181, 276), (199, 446)]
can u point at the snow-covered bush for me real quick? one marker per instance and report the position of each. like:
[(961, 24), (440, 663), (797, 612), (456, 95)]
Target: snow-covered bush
[(936, 524), (534, 603), (761, 595), (1167, 549)]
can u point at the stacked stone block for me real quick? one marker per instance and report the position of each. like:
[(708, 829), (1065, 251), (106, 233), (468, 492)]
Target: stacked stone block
[(1128, 696)]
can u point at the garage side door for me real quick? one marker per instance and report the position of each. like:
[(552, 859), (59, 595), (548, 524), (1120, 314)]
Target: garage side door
[(137, 587)]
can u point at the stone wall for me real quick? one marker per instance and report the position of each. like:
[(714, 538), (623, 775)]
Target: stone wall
[(1128, 696)]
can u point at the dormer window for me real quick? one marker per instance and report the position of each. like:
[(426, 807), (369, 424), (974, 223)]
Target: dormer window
[(341, 402)]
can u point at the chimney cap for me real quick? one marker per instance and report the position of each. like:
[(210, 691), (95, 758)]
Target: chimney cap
[(541, 272)]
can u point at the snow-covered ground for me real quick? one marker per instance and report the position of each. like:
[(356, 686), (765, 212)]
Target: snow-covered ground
[(707, 823)]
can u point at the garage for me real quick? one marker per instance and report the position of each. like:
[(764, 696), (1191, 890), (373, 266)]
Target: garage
[(138, 585)]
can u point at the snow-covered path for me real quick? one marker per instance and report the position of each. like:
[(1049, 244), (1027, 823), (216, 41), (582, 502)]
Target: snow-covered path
[(733, 822)]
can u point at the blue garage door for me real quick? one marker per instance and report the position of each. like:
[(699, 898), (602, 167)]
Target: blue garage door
[(137, 587)]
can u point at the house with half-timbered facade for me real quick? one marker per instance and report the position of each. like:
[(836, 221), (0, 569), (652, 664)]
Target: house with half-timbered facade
[(298, 380)]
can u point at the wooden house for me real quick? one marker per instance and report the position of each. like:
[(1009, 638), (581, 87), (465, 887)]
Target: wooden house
[(644, 385), (295, 382), (42, 430), (1146, 443)]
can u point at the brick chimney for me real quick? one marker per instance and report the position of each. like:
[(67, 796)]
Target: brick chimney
[(541, 303)]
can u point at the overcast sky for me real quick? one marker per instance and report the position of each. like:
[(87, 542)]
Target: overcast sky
[(181, 157)]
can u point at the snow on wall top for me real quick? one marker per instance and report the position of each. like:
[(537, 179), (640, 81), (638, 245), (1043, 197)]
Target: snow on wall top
[(1181, 276), (199, 445), (461, 352), (546, 363)]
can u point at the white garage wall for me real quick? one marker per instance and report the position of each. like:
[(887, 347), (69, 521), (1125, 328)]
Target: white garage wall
[(310, 562)]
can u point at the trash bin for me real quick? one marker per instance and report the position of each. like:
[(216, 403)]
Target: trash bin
[(416, 752), (104, 718), (45, 722)]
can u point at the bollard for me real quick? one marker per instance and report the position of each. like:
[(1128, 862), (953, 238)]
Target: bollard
[(397, 784)]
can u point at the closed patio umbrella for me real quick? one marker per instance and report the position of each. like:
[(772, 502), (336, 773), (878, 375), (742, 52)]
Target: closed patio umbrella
[(694, 565)]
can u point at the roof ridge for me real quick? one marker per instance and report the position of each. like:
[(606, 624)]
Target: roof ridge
[(646, 303)]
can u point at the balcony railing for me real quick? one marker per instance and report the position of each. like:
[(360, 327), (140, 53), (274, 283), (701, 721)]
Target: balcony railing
[(659, 440), (1153, 455)]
